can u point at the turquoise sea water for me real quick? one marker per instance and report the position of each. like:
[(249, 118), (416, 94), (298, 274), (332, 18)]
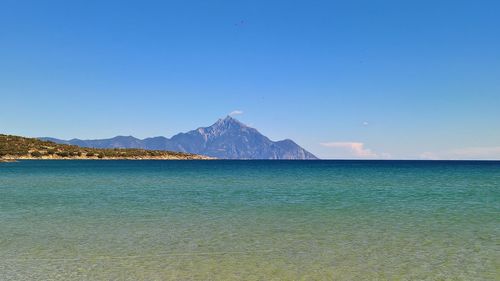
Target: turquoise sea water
[(249, 220)]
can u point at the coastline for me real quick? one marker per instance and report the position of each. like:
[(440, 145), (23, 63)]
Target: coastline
[(172, 157), (14, 148)]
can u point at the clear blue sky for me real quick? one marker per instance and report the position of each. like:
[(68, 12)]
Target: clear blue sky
[(344, 79)]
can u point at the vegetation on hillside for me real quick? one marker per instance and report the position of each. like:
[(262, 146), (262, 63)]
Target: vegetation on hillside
[(15, 147)]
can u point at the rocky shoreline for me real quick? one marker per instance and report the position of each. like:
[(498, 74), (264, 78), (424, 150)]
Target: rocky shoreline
[(14, 148), (190, 157)]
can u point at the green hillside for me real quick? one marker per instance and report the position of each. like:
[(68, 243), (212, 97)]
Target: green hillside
[(16, 147)]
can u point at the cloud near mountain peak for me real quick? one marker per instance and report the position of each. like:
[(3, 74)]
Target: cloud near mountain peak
[(235, 112)]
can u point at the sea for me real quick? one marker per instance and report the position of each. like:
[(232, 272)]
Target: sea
[(249, 220)]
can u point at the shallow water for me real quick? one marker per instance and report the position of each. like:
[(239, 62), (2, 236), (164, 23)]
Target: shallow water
[(249, 220)]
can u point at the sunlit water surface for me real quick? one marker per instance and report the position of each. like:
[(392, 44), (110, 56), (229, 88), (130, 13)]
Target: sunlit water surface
[(249, 220)]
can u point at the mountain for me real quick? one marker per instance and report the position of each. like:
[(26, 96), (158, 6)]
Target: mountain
[(116, 142), (227, 138)]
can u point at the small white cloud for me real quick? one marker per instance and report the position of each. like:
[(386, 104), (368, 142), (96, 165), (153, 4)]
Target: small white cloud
[(354, 149), (365, 123), (481, 152), (465, 153), (428, 156), (235, 112)]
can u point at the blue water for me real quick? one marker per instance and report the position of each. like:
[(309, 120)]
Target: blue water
[(249, 220)]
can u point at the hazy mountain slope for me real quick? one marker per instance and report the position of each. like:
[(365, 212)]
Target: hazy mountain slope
[(226, 139)]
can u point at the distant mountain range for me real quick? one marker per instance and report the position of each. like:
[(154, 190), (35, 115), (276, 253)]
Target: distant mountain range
[(225, 139)]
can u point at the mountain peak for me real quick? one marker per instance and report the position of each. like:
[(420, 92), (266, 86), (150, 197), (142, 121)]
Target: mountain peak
[(228, 121)]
